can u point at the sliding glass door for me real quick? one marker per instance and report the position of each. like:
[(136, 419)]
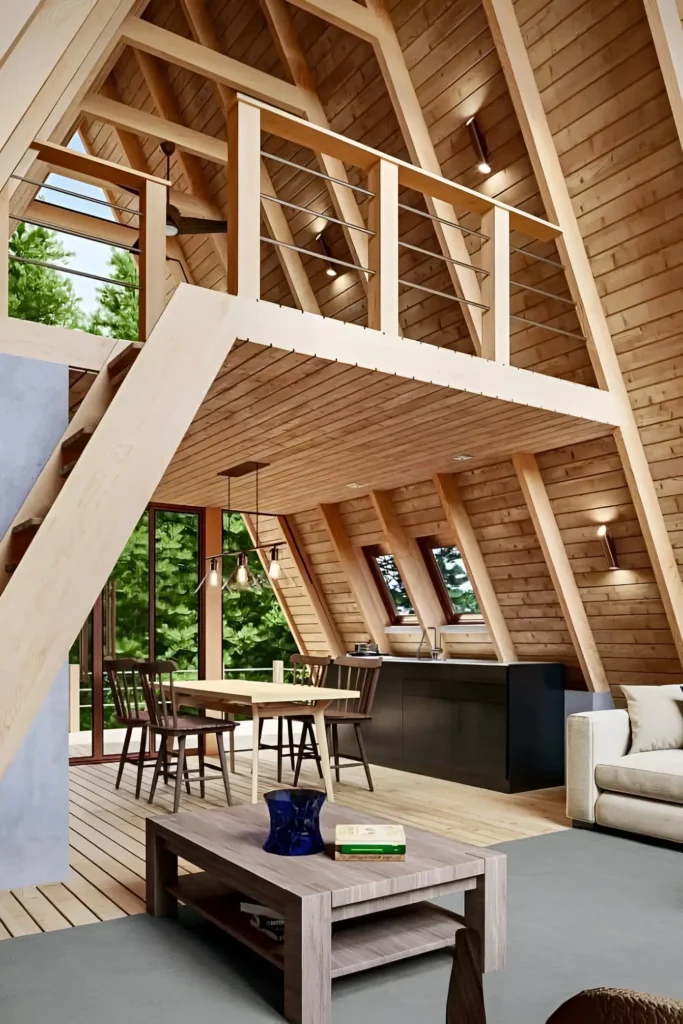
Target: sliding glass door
[(149, 609)]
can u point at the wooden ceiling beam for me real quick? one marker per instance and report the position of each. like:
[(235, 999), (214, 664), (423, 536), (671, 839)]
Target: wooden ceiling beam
[(358, 576), (201, 26), (551, 181), (164, 100), (559, 567), (293, 58), (468, 545), (667, 35), (53, 344), (410, 563), (202, 60), (311, 586)]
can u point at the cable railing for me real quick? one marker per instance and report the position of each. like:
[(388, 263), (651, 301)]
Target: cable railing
[(475, 261)]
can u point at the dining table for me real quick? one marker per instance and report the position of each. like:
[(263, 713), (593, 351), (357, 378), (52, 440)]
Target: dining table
[(266, 700)]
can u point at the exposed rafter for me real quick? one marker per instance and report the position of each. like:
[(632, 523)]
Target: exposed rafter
[(559, 567), (667, 34), (309, 580), (553, 186), (278, 226), (459, 521)]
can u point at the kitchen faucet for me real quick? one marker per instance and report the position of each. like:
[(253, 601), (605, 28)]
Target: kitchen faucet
[(436, 651)]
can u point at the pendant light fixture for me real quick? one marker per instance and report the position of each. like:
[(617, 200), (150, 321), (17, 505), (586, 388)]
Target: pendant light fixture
[(243, 577)]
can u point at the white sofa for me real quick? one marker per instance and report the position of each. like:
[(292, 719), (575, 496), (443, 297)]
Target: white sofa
[(641, 793)]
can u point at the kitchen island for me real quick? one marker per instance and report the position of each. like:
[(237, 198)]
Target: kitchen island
[(490, 724)]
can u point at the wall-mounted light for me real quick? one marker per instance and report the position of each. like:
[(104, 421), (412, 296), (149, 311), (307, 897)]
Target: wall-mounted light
[(331, 272), (479, 145), (274, 569), (608, 547)]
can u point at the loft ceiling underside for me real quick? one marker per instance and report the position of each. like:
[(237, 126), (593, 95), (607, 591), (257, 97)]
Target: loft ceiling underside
[(323, 425)]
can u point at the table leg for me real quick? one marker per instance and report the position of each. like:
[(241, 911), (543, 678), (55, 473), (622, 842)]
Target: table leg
[(162, 870), (308, 961), (486, 909), (321, 734), (255, 753)]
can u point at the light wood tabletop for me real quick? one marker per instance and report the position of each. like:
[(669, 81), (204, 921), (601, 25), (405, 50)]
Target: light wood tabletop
[(340, 917), (268, 700)]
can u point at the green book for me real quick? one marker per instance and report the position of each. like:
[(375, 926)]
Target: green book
[(371, 848)]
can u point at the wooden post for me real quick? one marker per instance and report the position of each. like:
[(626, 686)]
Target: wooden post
[(212, 597), (664, 17), (358, 576), (244, 200), (310, 584), (152, 256), (410, 563), (495, 253), (487, 599), (383, 248), (554, 552)]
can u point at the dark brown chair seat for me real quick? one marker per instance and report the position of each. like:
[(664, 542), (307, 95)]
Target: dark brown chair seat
[(193, 724), (133, 720)]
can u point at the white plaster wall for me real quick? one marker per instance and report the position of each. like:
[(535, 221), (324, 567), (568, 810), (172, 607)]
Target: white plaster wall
[(34, 794)]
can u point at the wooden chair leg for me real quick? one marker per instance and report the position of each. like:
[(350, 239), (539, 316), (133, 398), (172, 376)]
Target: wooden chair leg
[(161, 759), (335, 749), (300, 755), (202, 756), (290, 740), (314, 748), (168, 743), (180, 771), (124, 755), (279, 748), (466, 990), (364, 756), (261, 723), (231, 741), (224, 765), (141, 760)]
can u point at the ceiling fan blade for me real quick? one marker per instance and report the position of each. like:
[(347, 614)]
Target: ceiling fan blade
[(200, 226)]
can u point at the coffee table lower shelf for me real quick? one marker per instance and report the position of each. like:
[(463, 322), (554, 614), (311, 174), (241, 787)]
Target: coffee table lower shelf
[(358, 944)]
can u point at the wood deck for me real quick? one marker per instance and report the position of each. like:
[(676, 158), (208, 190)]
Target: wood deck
[(107, 851)]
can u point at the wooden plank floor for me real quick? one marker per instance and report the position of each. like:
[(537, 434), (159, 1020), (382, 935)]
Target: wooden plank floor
[(107, 832)]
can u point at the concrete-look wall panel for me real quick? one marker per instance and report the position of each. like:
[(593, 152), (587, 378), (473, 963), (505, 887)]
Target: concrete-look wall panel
[(34, 796)]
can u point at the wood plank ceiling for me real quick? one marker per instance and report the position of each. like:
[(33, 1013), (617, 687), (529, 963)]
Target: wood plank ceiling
[(603, 93)]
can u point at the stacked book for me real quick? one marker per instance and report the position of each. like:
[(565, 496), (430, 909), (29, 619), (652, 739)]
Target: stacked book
[(370, 842)]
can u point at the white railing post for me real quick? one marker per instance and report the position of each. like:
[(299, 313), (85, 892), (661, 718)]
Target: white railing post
[(383, 248), (244, 200), (495, 252), (152, 255)]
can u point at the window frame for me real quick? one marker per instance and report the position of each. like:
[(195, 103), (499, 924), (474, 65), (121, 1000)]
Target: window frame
[(453, 617), (371, 553)]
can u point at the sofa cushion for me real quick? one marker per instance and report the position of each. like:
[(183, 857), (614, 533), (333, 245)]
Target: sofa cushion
[(654, 774), (656, 714)]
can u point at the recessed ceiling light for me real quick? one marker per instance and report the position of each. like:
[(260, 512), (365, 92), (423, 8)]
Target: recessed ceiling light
[(462, 458), (357, 487)]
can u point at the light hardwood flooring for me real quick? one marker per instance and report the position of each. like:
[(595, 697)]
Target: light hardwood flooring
[(107, 832)]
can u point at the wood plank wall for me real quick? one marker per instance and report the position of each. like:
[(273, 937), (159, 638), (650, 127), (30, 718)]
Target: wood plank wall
[(603, 92)]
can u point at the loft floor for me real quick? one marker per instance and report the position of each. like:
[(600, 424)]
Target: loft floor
[(107, 852)]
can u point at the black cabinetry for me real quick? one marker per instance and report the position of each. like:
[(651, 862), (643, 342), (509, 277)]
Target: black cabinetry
[(481, 723)]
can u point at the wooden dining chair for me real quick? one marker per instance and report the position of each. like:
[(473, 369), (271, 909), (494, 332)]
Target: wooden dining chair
[(308, 671), (352, 674), (130, 711), (166, 723)]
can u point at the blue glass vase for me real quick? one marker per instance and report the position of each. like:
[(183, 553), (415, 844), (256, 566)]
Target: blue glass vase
[(294, 822)]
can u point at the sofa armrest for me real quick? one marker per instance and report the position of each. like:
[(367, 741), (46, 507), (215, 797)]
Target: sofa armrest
[(593, 737)]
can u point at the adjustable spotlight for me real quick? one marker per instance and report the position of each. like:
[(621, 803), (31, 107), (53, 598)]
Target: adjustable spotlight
[(479, 144), (331, 272), (608, 547)]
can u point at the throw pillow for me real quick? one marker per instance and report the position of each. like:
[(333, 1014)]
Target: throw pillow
[(656, 714)]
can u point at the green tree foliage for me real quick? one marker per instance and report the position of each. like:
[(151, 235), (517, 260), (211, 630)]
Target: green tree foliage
[(454, 575), (38, 293), (117, 312), (255, 632)]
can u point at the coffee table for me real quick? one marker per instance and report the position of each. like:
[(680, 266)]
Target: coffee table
[(340, 916)]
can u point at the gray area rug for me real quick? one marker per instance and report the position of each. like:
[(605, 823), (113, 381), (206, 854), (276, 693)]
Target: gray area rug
[(585, 910)]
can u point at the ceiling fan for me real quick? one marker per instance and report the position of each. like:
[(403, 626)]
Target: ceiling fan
[(176, 223)]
